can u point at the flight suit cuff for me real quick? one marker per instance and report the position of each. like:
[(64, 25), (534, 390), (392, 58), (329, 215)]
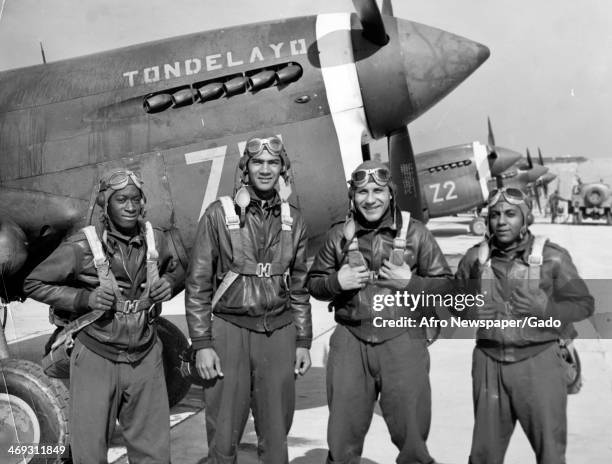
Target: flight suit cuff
[(81, 302), (333, 284), (201, 343), (303, 343)]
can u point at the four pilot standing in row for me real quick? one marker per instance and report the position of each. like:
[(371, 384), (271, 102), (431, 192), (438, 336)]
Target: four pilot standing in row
[(249, 320)]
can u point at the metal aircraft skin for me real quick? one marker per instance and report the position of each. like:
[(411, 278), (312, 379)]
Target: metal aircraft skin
[(179, 110), (455, 179), (459, 178)]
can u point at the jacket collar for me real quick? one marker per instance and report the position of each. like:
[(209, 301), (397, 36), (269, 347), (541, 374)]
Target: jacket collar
[(520, 249), (114, 236), (384, 223)]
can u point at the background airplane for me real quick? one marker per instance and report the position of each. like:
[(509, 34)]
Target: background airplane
[(592, 200), (458, 179), (179, 111)]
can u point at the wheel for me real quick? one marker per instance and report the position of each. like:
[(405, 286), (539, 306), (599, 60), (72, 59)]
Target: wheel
[(174, 344), (33, 409), (478, 226)]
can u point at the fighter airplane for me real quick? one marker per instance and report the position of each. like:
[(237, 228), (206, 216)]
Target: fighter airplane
[(458, 179), (179, 111)]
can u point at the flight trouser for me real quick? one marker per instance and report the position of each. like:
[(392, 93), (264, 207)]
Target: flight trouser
[(258, 373), (357, 373), (102, 391), (533, 391)]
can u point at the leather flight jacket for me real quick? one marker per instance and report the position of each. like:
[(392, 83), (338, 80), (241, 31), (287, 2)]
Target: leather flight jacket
[(261, 301), (354, 308), (67, 277), (569, 299)]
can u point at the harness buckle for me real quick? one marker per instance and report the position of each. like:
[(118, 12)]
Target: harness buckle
[(130, 306), (263, 269), (536, 260), (232, 222)]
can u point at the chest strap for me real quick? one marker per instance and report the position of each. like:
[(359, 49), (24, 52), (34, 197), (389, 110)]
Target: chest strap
[(356, 258), (107, 280), (534, 261), (239, 265)]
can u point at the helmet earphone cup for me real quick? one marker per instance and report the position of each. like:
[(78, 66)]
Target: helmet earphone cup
[(101, 199)]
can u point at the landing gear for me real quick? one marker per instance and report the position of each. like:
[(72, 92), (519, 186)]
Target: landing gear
[(33, 409), (478, 226), (174, 343), (577, 217)]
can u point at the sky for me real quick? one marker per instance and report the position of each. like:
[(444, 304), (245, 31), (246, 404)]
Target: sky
[(548, 82)]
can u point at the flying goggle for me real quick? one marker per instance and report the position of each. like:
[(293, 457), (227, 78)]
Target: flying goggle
[(255, 146), (512, 195), (361, 177), (119, 180)]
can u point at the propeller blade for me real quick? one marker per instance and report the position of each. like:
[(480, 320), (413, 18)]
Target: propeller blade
[(546, 189), (537, 198), (540, 156), (529, 160), (404, 173), (491, 139), (371, 21), (387, 8)]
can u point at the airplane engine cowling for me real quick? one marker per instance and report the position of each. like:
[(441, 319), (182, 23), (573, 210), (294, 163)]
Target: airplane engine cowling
[(13, 248)]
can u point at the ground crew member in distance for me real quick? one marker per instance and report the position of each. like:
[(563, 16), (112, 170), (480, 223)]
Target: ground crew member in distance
[(248, 268), (116, 369), (378, 250)]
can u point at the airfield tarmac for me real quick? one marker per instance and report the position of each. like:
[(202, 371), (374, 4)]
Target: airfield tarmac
[(589, 412)]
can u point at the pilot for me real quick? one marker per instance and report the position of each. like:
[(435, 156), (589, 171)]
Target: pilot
[(116, 369), (518, 373), (248, 269), (379, 251)]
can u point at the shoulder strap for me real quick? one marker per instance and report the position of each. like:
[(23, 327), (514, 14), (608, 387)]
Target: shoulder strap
[(66, 336), (486, 273), (399, 242), (483, 253), (96, 247), (535, 260), (105, 276), (232, 222), (152, 259)]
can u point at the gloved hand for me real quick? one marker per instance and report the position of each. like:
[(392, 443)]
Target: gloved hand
[(525, 302), (489, 311), (101, 299), (396, 277), (161, 290)]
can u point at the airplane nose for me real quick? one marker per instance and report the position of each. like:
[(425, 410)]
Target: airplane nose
[(502, 159), (536, 172), (418, 67), (435, 62), (547, 178)]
